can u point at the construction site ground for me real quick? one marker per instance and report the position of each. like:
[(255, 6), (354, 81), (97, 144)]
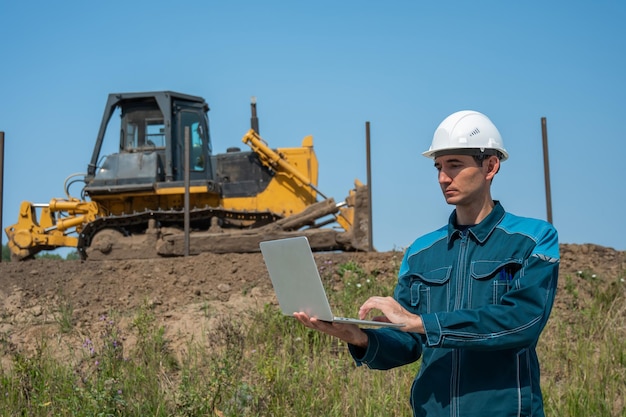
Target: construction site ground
[(187, 294)]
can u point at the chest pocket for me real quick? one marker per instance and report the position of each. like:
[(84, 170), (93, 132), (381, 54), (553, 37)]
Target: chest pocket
[(430, 291), (491, 280)]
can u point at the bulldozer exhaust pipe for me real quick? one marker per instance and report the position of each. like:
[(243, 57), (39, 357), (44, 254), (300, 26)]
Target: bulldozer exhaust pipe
[(254, 120)]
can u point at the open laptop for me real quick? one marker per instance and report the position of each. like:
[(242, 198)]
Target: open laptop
[(297, 282)]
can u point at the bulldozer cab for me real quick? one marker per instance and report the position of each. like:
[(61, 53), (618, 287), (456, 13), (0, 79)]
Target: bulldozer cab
[(152, 128)]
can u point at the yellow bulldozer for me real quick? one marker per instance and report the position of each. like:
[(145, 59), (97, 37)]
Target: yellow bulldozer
[(164, 193)]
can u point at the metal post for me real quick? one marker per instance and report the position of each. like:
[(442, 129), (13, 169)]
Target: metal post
[(186, 201), (546, 167), (1, 186), (370, 229)]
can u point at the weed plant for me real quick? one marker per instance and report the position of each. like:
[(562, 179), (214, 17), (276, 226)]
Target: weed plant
[(273, 366)]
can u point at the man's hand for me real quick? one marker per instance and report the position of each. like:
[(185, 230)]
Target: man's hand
[(349, 333), (393, 312)]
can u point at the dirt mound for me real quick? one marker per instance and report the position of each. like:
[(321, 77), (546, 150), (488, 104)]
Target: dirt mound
[(188, 294)]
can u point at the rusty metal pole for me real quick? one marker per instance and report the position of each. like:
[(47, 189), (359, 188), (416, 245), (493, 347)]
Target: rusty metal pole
[(546, 167), (370, 228), (186, 201), (1, 185)]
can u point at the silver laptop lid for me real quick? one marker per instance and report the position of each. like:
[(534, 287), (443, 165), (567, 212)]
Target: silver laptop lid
[(295, 277)]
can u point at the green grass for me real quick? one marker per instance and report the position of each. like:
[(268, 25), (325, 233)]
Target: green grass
[(273, 366), (64, 315), (583, 353)]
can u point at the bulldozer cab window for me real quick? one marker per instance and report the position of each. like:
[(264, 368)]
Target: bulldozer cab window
[(142, 131), (155, 133), (130, 136), (197, 157), (197, 140)]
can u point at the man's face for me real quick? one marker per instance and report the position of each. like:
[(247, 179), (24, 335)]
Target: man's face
[(462, 180)]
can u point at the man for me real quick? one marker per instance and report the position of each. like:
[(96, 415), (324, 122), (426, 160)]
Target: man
[(474, 295)]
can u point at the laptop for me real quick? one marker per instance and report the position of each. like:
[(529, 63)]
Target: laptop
[(297, 282)]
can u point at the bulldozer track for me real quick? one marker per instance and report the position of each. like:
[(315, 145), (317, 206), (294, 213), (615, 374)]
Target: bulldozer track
[(198, 218)]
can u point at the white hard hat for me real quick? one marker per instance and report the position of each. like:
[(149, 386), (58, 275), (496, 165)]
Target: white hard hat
[(467, 132)]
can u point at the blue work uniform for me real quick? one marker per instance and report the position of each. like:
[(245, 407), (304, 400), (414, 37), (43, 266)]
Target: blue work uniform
[(484, 294)]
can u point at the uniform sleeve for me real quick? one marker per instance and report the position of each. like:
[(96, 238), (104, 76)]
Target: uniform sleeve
[(520, 317), (388, 348)]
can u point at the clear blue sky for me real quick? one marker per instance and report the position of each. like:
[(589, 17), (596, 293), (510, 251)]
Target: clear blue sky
[(324, 68)]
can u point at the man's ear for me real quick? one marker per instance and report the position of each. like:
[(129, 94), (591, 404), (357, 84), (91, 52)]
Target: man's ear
[(493, 166)]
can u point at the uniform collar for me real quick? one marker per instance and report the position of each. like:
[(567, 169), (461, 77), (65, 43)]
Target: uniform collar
[(480, 231)]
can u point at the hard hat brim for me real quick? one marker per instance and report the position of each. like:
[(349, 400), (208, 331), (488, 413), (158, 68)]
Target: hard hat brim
[(500, 153)]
